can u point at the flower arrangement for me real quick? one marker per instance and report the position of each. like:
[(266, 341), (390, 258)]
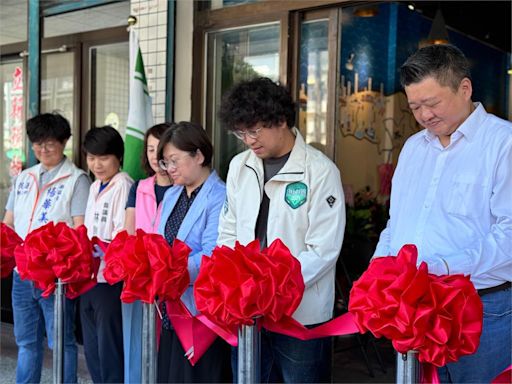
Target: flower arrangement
[(367, 217)]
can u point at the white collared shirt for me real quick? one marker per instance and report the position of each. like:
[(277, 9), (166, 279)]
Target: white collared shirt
[(455, 203)]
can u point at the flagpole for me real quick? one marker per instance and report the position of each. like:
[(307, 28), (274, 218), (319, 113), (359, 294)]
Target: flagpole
[(132, 20), (140, 112)]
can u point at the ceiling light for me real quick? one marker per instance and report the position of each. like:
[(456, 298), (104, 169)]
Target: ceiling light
[(366, 11), (350, 62), (411, 6), (438, 33)]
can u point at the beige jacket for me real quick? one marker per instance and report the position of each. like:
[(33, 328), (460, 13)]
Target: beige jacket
[(307, 212)]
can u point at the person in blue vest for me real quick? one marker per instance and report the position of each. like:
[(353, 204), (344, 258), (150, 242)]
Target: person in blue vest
[(53, 190), (190, 212)]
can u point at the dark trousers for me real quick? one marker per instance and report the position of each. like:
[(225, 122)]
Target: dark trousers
[(100, 314), (285, 359), (173, 366)]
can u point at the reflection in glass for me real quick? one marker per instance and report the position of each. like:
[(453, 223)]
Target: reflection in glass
[(57, 89), (13, 21), (233, 56), (215, 4), (374, 119), (314, 65), (110, 85), (12, 131)]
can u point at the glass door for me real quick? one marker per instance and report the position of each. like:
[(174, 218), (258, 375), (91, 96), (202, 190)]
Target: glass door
[(235, 55), (316, 80), (58, 91), (109, 71), (12, 137)]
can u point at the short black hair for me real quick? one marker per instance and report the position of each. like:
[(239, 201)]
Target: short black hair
[(444, 62), (188, 137), (48, 126), (156, 131), (104, 141), (254, 101)]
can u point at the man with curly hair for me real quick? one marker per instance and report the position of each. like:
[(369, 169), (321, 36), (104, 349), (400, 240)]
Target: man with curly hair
[(282, 188)]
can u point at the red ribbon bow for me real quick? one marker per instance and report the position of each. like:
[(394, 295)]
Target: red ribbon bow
[(148, 266), (56, 251), (235, 286), (8, 242), (439, 316)]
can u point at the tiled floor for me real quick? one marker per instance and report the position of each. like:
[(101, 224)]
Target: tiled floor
[(348, 362), (8, 354)]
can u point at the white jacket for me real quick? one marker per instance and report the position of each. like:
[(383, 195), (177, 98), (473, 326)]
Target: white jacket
[(34, 206), (307, 212), (104, 216)]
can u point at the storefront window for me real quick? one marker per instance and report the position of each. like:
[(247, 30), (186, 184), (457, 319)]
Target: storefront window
[(13, 24), (233, 56), (314, 65), (373, 115), (57, 89), (90, 19), (12, 131), (110, 82), (216, 4)]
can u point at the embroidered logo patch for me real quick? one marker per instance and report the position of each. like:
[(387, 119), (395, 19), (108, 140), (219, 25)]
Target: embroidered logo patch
[(331, 200), (296, 194)]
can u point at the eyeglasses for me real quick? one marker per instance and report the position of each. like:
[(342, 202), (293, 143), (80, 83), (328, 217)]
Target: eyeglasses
[(46, 145), (252, 133), (169, 164)]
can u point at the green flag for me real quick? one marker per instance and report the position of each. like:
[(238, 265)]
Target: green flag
[(140, 115)]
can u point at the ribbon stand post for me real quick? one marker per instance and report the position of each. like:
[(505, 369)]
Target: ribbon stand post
[(58, 333), (249, 354), (148, 373), (408, 369)]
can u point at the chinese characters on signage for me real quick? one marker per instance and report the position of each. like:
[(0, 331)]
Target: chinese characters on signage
[(13, 123)]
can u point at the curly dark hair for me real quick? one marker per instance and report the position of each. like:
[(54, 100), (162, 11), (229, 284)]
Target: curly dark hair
[(259, 100)]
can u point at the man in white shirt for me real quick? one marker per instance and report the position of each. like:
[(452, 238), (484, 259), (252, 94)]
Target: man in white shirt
[(451, 197)]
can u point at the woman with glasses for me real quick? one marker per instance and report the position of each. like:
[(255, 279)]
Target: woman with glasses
[(143, 211), (190, 213)]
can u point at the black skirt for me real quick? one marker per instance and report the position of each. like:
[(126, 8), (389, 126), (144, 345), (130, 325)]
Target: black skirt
[(173, 367)]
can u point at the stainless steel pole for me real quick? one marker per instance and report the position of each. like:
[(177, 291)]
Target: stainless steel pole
[(149, 361), (408, 368), (249, 354), (58, 333)]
